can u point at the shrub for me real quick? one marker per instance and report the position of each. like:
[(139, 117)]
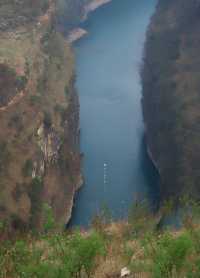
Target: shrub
[(54, 256), (82, 252), (170, 255), (49, 221)]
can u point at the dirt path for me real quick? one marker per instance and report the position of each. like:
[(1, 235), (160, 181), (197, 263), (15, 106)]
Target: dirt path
[(13, 101)]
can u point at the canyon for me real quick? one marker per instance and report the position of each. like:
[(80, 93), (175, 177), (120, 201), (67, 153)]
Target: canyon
[(40, 160)]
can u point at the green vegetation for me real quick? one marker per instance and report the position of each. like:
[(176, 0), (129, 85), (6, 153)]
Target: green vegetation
[(55, 256), (104, 249), (170, 255)]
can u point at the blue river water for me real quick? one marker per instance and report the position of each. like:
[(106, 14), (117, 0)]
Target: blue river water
[(116, 167)]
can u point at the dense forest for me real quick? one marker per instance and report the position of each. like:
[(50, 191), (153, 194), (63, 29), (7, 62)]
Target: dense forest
[(171, 95)]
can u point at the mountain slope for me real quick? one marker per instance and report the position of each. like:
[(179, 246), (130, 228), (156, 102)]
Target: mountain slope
[(171, 95), (39, 114)]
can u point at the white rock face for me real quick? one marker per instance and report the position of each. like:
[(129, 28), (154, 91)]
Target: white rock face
[(125, 272), (49, 144)]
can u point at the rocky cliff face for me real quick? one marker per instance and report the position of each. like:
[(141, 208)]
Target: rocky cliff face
[(171, 95), (39, 115)]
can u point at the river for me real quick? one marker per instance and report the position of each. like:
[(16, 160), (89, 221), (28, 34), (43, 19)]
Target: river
[(116, 167)]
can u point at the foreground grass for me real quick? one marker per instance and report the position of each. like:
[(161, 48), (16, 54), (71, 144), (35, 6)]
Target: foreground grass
[(104, 250)]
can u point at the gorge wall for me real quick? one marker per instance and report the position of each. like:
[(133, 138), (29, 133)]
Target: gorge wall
[(171, 95), (39, 115)]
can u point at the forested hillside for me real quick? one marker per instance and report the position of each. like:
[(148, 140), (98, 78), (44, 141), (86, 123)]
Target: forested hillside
[(171, 95)]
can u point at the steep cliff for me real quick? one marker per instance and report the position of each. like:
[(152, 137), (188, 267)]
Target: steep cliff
[(39, 114), (171, 95)]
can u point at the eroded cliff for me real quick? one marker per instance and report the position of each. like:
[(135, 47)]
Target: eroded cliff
[(39, 115)]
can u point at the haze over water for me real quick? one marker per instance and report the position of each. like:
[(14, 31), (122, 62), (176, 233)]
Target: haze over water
[(115, 166)]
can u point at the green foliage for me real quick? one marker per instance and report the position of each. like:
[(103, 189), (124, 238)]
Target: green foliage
[(53, 256), (82, 253), (49, 221), (170, 255), (77, 254), (128, 252)]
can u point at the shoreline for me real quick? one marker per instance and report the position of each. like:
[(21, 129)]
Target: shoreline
[(77, 33), (94, 5), (77, 187)]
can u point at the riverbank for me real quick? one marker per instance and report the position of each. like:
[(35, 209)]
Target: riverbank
[(77, 33)]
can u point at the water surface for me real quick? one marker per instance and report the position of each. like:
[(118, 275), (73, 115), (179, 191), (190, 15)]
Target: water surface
[(115, 165)]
